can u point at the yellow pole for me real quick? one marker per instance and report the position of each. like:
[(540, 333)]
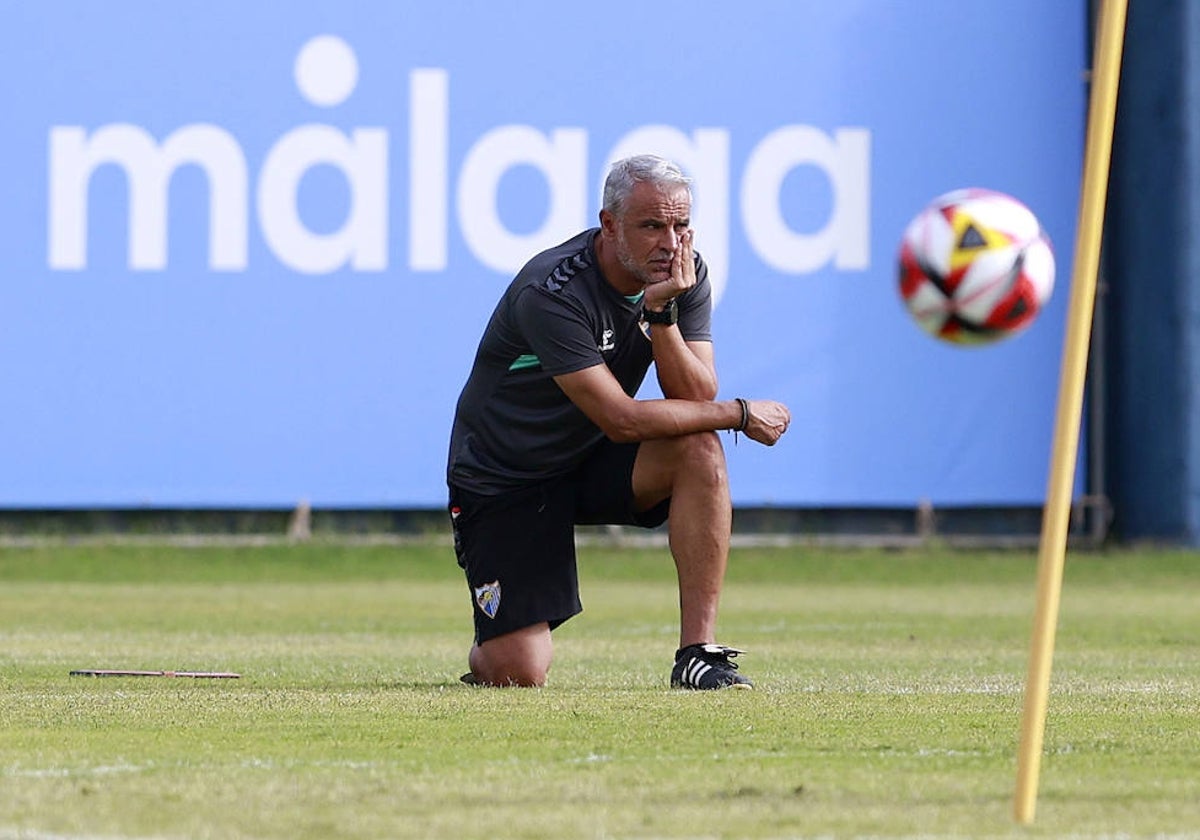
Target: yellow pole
[(1106, 71)]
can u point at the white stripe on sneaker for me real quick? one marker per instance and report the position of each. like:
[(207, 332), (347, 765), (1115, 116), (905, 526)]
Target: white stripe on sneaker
[(696, 669)]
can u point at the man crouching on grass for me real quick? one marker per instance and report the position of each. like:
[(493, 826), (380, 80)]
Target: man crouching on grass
[(548, 435)]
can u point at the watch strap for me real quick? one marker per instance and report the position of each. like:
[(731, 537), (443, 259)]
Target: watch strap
[(669, 314)]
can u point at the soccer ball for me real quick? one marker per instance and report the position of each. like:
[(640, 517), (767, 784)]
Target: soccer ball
[(975, 267)]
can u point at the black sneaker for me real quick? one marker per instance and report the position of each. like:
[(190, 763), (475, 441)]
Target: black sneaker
[(707, 667)]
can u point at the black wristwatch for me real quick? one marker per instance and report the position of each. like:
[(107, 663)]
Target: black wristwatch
[(668, 316)]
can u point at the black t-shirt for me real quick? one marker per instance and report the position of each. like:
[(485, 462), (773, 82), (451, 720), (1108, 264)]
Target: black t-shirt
[(513, 425)]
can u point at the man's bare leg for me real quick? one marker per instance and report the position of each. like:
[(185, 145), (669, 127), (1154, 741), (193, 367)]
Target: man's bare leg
[(691, 471)]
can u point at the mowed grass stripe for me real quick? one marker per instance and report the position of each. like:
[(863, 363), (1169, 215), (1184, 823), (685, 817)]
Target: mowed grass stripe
[(888, 705)]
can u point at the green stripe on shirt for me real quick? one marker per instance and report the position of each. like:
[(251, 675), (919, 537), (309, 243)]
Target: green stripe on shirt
[(527, 360)]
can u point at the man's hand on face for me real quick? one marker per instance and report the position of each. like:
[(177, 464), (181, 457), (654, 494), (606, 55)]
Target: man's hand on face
[(683, 275)]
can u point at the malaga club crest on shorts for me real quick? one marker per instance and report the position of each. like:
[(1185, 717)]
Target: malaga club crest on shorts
[(488, 598)]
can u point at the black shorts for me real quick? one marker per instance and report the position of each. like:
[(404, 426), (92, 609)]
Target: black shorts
[(518, 548)]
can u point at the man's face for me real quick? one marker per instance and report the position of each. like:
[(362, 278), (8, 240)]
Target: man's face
[(648, 231)]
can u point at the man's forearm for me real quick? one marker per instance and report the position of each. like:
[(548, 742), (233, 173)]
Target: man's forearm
[(682, 374)]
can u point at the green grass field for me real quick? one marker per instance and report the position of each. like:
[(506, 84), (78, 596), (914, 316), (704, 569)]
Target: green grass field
[(889, 699)]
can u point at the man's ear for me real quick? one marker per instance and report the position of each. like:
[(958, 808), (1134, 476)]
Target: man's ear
[(608, 222)]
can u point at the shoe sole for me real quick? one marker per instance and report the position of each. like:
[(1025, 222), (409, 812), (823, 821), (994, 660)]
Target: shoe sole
[(733, 686)]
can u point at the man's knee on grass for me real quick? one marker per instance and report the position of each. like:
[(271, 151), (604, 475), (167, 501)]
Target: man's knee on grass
[(520, 658)]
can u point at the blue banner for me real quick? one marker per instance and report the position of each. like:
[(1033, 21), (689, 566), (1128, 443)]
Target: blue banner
[(248, 248)]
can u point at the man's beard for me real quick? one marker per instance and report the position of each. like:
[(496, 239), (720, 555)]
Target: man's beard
[(625, 258)]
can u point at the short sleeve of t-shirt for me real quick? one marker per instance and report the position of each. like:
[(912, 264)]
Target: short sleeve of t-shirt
[(556, 330)]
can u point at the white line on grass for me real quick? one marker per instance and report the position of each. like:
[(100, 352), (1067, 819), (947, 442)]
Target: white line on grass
[(17, 771)]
